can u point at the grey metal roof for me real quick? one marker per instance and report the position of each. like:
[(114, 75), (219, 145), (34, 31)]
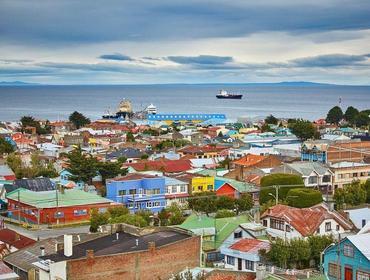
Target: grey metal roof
[(127, 153), (36, 184), (306, 168)]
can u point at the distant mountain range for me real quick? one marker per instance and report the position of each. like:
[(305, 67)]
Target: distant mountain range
[(287, 84)]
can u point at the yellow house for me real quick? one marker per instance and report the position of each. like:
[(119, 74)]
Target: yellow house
[(202, 184), (246, 130)]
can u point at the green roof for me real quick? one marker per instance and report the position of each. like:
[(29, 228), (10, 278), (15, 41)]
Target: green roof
[(48, 199), (224, 227)]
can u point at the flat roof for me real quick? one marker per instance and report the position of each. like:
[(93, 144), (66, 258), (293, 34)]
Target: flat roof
[(126, 243)]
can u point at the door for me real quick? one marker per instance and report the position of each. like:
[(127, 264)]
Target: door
[(240, 261), (348, 273)]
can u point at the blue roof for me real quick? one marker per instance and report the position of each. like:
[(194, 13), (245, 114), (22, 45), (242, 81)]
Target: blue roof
[(185, 117)]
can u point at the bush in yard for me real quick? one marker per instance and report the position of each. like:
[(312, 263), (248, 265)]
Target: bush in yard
[(303, 197)]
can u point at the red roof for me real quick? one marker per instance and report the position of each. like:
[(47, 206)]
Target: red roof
[(250, 160), (4, 269), (15, 239), (305, 220), (163, 165), (134, 176), (249, 245)]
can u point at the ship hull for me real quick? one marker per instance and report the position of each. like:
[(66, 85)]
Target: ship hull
[(237, 96)]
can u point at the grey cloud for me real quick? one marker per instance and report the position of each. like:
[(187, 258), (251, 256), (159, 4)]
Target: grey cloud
[(116, 56), (330, 60), (201, 59)]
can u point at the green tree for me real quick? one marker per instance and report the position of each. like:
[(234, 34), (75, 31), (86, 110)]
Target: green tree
[(317, 244), (303, 129), (175, 214), (335, 115), (130, 137), (362, 120), (225, 202), (353, 194), (303, 197), (266, 128), (271, 120), (223, 213), (115, 212), (109, 170), (203, 202), (367, 188), (82, 167), (29, 121), (78, 119), (5, 147), (351, 114), (244, 203), (220, 134), (97, 219), (144, 156)]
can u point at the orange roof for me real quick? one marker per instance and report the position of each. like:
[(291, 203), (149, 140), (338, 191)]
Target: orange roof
[(305, 220), (249, 245), (250, 160)]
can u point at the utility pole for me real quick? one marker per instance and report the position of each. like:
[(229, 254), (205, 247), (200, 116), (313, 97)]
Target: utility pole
[(19, 206), (57, 205)]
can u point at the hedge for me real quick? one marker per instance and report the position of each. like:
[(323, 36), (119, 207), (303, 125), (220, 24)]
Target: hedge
[(304, 197), (278, 179)]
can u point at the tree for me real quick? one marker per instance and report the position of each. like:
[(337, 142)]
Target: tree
[(97, 219), (130, 137), (353, 194), (244, 203), (335, 115), (78, 119), (266, 128), (303, 197), (14, 161), (220, 134), (82, 167), (223, 213), (317, 244), (109, 170), (175, 214), (144, 156), (367, 188), (203, 202), (351, 114), (29, 121), (271, 120), (303, 129), (362, 119), (5, 147), (225, 202)]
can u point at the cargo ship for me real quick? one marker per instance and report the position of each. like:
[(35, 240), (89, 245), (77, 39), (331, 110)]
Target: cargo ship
[(223, 94)]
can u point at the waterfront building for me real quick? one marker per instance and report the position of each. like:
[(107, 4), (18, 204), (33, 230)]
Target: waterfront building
[(183, 118)]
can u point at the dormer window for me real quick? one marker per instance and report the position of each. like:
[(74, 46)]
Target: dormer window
[(238, 234)]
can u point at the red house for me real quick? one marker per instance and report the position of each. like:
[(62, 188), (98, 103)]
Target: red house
[(227, 190), (49, 207)]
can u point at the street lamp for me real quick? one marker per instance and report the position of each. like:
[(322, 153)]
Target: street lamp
[(275, 197)]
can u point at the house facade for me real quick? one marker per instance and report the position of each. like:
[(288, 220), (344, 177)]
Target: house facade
[(54, 207), (287, 222), (348, 260), (244, 254), (138, 192), (176, 191), (346, 172)]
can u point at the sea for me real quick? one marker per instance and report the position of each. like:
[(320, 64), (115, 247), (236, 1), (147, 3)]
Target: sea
[(308, 101)]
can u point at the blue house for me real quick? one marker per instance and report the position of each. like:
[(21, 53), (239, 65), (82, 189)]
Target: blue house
[(138, 192), (353, 257), (65, 180)]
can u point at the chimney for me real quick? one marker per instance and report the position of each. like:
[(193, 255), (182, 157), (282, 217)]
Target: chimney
[(89, 254), (42, 251), (151, 247), (117, 235), (78, 238), (68, 245)]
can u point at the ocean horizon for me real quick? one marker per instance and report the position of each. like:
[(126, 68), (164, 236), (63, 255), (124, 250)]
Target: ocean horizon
[(286, 100)]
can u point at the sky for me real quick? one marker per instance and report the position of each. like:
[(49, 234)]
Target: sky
[(171, 41)]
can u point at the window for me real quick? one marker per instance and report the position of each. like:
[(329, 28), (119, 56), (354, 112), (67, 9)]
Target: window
[(58, 215), (230, 260), (132, 191), (277, 224), (200, 188), (249, 265), (348, 250), (337, 227), (312, 180), (210, 187), (174, 189), (238, 234), (326, 178), (149, 204), (354, 175), (182, 189), (328, 226), (333, 270), (122, 192), (80, 212), (156, 204), (362, 275), (318, 230), (287, 228), (265, 223), (102, 210)]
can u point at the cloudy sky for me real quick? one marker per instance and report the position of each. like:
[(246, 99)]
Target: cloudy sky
[(170, 41)]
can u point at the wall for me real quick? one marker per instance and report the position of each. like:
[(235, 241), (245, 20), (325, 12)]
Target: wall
[(347, 174), (202, 182), (161, 262), (357, 262)]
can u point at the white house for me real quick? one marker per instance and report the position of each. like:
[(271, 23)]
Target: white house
[(288, 222), (244, 254), (176, 191)]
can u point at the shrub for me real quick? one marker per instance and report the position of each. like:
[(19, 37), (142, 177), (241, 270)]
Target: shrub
[(303, 197), (224, 213)]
